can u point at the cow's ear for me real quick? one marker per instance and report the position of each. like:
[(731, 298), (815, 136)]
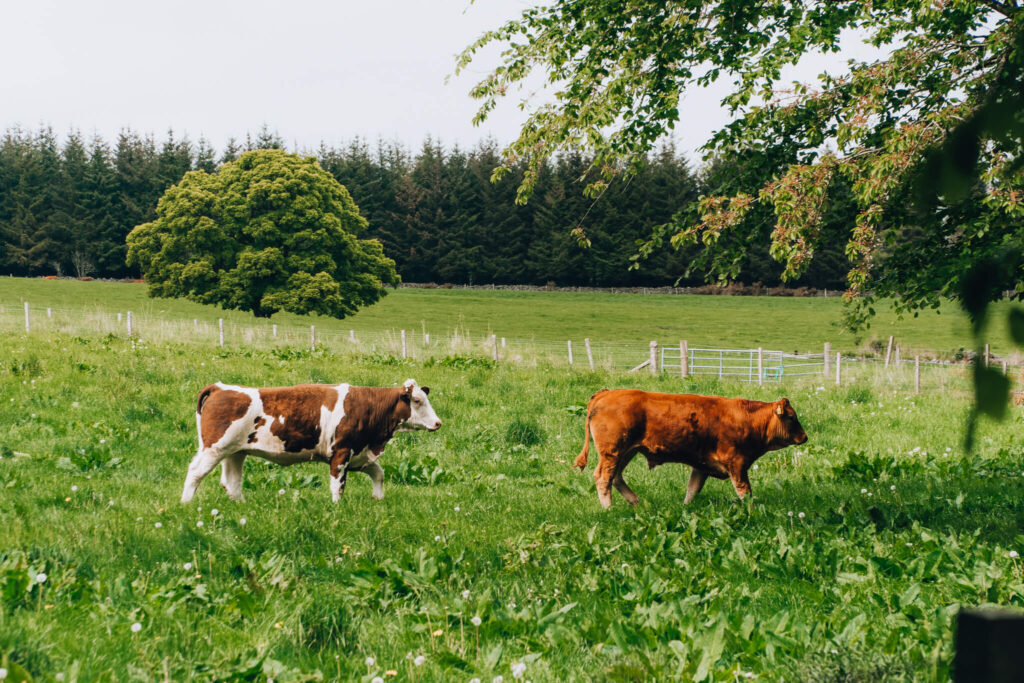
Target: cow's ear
[(426, 390)]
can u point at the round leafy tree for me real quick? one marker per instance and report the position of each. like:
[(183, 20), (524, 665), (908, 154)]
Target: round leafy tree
[(269, 232)]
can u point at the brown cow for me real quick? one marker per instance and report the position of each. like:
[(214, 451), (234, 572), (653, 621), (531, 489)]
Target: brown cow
[(716, 436)]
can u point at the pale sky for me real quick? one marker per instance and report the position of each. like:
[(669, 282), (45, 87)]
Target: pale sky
[(313, 70)]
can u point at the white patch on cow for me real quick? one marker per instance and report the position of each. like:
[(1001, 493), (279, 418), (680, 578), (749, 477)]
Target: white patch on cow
[(281, 418), (336, 488), (363, 458)]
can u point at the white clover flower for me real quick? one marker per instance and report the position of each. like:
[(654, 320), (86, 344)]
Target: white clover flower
[(437, 538), (474, 680), (465, 594), (518, 669), (214, 512), (419, 660), (801, 515), (790, 513), (476, 621), (199, 523), (893, 487), (242, 521), (370, 661), (75, 487), (41, 577), (59, 676), (498, 679), (158, 525), (136, 627), (280, 492), (376, 679), (1014, 553), (188, 566), (456, 508), (3, 672), (863, 490)]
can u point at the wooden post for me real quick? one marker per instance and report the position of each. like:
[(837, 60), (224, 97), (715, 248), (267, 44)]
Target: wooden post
[(590, 354), (312, 337), (897, 355), (49, 312), (220, 326), (404, 349), (760, 365), (426, 339), (654, 358), (988, 355), (129, 316), (275, 330), (1004, 366), (352, 336), (828, 359), (494, 347), (27, 325), (119, 318), (988, 645), (888, 352), (839, 370), (195, 322), (502, 342), (684, 363), (917, 374), (570, 352)]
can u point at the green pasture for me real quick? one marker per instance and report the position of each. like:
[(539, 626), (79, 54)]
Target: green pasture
[(781, 323), (850, 564)]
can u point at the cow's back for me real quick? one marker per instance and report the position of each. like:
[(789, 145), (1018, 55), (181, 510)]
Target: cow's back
[(296, 414)]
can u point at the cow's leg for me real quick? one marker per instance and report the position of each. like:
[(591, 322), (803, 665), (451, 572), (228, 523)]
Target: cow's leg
[(339, 472), (697, 479), (376, 474), (620, 483), (204, 462), (738, 474), (604, 473), (231, 475)]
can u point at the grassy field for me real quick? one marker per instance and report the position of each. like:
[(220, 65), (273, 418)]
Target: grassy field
[(850, 564), (786, 324)]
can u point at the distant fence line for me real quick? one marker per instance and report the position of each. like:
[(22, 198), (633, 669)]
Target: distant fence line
[(758, 366)]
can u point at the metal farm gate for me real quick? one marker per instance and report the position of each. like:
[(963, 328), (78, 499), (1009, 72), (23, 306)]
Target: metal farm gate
[(742, 364)]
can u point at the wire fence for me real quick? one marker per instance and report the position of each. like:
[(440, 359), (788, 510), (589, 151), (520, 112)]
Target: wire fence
[(744, 365)]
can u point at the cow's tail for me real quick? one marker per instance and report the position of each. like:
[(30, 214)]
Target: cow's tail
[(203, 395), (581, 459)]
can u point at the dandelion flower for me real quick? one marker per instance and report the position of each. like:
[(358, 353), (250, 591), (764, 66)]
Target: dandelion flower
[(188, 566), (476, 621), (199, 523), (465, 594), (158, 525), (242, 521), (498, 679), (790, 513), (437, 538), (3, 672), (376, 679), (893, 487), (419, 660), (1014, 553), (74, 488), (456, 508), (214, 512), (280, 492), (136, 627), (41, 577), (370, 661), (518, 669), (474, 680), (801, 515)]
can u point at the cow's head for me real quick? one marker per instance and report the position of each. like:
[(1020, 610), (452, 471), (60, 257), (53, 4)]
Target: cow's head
[(421, 414), (784, 428)]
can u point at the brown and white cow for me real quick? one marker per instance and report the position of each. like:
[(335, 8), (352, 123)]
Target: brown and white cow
[(716, 436), (344, 426)]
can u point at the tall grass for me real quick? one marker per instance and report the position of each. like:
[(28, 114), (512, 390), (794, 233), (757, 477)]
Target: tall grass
[(850, 564)]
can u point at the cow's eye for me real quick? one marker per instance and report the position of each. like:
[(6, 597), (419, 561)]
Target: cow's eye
[(416, 401)]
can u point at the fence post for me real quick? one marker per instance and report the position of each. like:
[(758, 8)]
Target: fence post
[(312, 337), (828, 359), (988, 355), (352, 336), (917, 374), (888, 352), (119, 318), (494, 347), (404, 350), (502, 342), (1004, 366), (27, 325), (839, 370), (129, 316), (684, 363), (590, 354), (49, 312), (195, 322), (426, 339), (275, 330), (570, 352), (654, 358), (220, 326), (760, 365)]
